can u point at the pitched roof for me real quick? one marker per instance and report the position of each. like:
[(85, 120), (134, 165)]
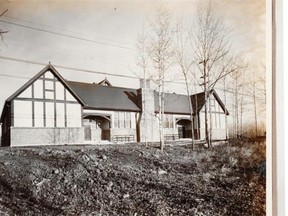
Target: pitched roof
[(198, 101), (102, 97), (50, 68), (173, 103)]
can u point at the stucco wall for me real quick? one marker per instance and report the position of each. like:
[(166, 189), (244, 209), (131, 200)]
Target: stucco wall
[(46, 136), (216, 134)]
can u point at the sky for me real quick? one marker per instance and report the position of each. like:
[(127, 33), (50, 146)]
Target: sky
[(100, 36)]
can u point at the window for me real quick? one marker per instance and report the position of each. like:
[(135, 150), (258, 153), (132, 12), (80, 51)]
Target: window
[(116, 119), (127, 120), (171, 125), (121, 119), (168, 121)]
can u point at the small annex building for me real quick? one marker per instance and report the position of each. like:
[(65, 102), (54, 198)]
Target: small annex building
[(49, 110)]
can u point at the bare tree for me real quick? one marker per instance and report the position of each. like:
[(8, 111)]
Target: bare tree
[(237, 103), (185, 62), (255, 103), (3, 31), (257, 91), (161, 53), (212, 51)]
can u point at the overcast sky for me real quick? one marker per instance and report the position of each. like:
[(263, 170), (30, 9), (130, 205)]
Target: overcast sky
[(100, 36)]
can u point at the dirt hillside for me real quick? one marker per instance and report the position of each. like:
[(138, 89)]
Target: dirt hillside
[(133, 180)]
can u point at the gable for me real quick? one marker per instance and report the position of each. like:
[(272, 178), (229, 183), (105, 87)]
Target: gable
[(105, 82), (46, 87), (46, 101), (47, 84), (216, 104), (198, 101)]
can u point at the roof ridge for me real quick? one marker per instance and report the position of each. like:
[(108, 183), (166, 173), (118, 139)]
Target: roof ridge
[(96, 84)]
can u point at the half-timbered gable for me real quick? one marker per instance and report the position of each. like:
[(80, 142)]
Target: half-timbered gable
[(44, 105)]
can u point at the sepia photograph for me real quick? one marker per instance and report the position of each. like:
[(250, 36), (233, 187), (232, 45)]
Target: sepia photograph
[(136, 107)]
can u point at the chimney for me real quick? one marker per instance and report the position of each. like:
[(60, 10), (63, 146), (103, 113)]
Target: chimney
[(143, 82), (148, 123)]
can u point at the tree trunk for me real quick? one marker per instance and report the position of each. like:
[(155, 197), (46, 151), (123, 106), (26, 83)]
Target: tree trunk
[(226, 127), (255, 104), (205, 107), (191, 112)]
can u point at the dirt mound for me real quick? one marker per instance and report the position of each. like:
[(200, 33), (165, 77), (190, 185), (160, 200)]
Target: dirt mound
[(131, 180)]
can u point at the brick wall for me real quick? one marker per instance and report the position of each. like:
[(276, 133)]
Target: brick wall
[(21, 136)]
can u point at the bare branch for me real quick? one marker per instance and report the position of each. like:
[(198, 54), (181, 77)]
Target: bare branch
[(3, 13)]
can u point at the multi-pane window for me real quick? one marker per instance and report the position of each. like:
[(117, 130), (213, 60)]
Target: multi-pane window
[(168, 121), (116, 119), (122, 120), (127, 120)]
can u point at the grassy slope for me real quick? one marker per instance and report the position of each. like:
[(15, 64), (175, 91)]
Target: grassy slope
[(125, 180)]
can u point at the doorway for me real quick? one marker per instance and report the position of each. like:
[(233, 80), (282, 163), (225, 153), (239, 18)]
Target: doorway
[(184, 128), (97, 127)]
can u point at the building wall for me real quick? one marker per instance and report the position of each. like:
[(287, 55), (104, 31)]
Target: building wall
[(27, 136), (122, 125), (47, 113)]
